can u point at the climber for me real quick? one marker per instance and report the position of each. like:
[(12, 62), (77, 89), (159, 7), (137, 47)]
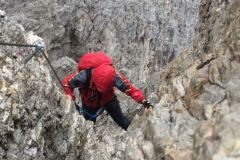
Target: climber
[(95, 81)]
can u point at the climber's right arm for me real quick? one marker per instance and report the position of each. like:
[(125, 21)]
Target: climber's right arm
[(78, 80), (74, 81)]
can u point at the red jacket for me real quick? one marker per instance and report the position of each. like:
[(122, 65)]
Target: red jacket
[(98, 88)]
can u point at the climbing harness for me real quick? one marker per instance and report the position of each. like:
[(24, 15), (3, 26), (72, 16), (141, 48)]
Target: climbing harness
[(81, 109), (92, 116), (38, 49)]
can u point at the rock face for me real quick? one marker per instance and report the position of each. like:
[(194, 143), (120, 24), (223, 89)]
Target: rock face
[(31, 106), (205, 80), (141, 36), (196, 104)]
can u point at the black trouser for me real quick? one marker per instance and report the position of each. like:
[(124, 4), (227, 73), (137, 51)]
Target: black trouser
[(113, 109)]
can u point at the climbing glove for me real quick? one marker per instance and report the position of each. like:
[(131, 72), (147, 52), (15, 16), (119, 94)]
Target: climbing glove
[(147, 104)]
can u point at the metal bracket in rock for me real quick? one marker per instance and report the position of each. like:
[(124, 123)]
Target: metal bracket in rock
[(39, 48)]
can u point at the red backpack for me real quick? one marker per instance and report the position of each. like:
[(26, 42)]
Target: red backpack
[(103, 74), (93, 60)]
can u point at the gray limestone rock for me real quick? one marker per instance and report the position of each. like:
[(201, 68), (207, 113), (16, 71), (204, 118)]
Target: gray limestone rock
[(194, 90)]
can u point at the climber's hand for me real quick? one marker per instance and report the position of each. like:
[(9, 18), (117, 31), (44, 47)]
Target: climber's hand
[(148, 110), (147, 104), (148, 107)]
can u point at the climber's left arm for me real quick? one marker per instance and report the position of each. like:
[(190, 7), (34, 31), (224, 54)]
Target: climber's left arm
[(125, 86)]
